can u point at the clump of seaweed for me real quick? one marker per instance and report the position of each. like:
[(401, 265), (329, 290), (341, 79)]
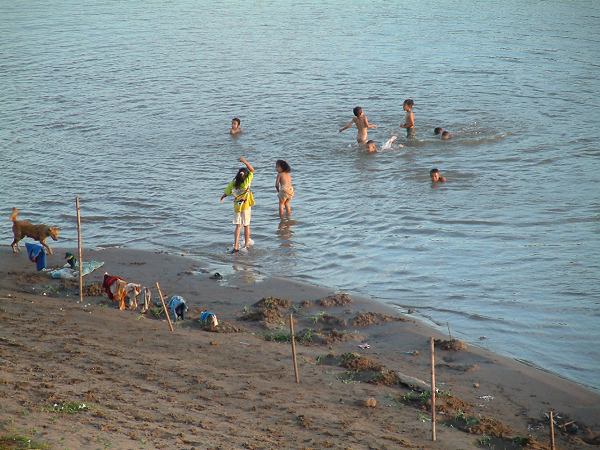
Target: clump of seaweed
[(340, 299)]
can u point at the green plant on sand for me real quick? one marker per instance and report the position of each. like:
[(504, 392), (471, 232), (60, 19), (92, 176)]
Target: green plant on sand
[(18, 442), (318, 316), (484, 441), (157, 312), (465, 419), (278, 336), (417, 397), (305, 336), (69, 407)]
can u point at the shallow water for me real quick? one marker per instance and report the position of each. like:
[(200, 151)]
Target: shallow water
[(128, 105)]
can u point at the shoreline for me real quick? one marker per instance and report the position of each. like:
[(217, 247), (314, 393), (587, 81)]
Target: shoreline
[(395, 308), (492, 385)]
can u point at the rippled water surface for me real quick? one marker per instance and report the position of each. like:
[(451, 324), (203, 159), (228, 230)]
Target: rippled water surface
[(128, 104)]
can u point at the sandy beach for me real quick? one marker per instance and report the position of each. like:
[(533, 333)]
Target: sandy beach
[(87, 375)]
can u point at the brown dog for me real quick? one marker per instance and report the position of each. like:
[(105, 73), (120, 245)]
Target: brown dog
[(24, 228)]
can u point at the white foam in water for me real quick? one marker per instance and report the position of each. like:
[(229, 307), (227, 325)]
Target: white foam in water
[(388, 144)]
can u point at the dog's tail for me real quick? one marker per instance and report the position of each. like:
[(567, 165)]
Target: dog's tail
[(15, 213)]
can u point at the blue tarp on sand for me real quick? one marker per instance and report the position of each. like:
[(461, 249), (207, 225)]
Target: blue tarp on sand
[(67, 272)]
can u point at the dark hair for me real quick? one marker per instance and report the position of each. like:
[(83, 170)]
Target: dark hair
[(357, 110), (446, 133), (235, 119), (370, 141), (437, 130), (240, 177), (432, 171), (284, 165), (409, 102)]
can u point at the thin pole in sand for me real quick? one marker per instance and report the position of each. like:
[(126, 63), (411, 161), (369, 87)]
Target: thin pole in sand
[(293, 339), (431, 344), (552, 444), (79, 249), (162, 299)]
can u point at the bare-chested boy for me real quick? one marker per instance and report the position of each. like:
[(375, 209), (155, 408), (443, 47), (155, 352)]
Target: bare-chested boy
[(409, 118), (436, 176), (443, 134), (371, 147), (362, 125), (235, 127)]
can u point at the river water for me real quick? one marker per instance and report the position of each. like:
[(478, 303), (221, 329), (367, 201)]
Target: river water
[(128, 104)]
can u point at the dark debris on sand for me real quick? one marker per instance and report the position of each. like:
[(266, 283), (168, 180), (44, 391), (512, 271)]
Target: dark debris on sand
[(93, 290), (365, 319), (451, 345), (268, 311), (330, 301), (223, 327)]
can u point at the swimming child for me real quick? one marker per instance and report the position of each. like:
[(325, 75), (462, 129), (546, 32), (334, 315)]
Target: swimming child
[(444, 134), (436, 176), (362, 125), (242, 204), (409, 118), (235, 126), (283, 185), (371, 146)]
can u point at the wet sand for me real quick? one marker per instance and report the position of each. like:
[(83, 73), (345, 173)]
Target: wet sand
[(144, 387)]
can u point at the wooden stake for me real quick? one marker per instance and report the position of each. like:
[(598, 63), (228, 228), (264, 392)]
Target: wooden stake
[(431, 343), (79, 249), (162, 299), (552, 444), (293, 338)]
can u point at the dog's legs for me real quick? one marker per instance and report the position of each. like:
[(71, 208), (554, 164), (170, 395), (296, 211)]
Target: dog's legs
[(15, 246), (146, 295), (133, 303), (43, 242)]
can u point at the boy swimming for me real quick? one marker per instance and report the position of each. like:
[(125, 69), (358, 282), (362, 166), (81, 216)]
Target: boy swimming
[(436, 176), (371, 146), (235, 127), (444, 134), (362, 125), (409, 118)]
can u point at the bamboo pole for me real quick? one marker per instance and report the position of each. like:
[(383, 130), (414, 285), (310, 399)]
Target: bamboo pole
[(293, 339), (552, 444), (431, 344), (79, 249), (162, 299)]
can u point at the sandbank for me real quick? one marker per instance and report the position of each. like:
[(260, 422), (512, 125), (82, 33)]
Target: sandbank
[(144, 387)]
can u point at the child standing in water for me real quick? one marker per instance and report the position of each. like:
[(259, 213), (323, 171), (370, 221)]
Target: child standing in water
[(283, 185), (242, 204), (409, 118), (362, 125)]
